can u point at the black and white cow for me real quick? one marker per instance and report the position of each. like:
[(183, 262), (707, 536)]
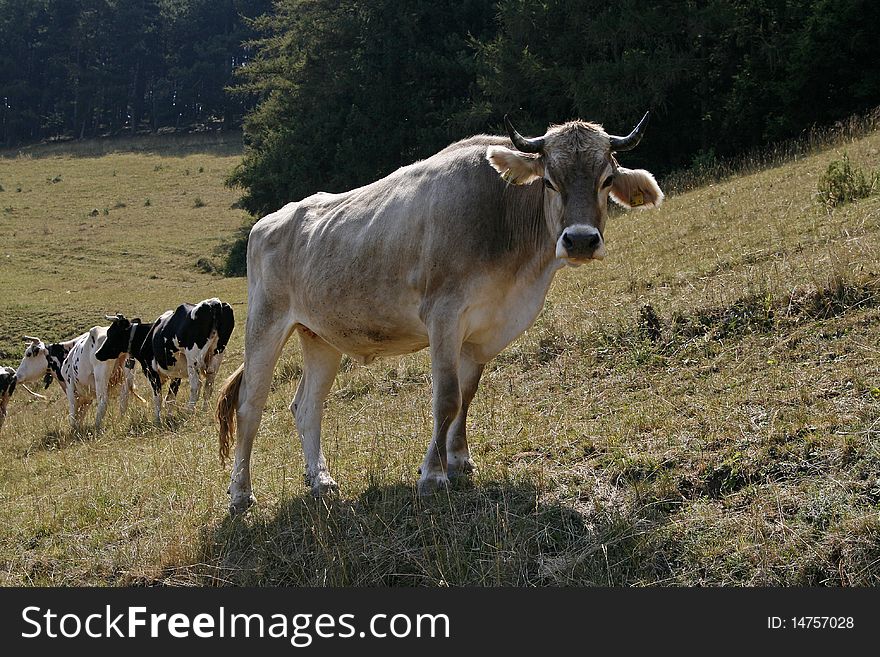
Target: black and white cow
[(188, 341), (42, 361), (7, 387), (87, 376)]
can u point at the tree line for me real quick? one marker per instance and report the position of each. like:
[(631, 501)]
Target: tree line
[(352, 89), (85, 68), (336, 93)]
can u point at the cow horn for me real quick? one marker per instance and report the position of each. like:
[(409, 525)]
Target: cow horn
[(523, 144), (632, 139), (112, 318), (28, 338)]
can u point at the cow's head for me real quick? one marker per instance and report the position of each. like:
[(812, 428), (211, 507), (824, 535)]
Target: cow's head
[(35, 364), (575, 163), (119, 335)]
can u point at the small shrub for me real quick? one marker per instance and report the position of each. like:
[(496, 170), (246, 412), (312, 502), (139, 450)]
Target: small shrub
[(206, 266), (199, 203), (649, 323), (118, 205), (236, 253), (147, 203), (842, 183)]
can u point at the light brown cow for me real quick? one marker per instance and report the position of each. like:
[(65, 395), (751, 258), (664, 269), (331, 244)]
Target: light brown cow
[(444, 253)]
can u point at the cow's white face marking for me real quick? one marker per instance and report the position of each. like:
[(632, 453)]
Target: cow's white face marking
[(34, 363)]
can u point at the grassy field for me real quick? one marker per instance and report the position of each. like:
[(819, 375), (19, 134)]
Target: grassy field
[(702, 408)]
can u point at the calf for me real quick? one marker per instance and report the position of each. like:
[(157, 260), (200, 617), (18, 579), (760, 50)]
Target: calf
[(88, 375), (188, 341), (7, 387)]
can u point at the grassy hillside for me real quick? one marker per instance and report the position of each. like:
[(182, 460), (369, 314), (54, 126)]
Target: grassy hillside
[(726, 434)]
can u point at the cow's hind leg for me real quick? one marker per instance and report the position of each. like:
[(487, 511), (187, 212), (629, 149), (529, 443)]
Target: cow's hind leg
[(4, 400), (78, 412), (264, 341), (320, 364), (458, 456)]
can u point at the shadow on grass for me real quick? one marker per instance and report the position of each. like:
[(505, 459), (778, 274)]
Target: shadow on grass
[(496, 534)]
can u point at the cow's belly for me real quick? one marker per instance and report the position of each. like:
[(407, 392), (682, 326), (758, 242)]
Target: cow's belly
[(199, 356), (77, 371), (85, 388), (366, 341), (364, 323), (176, 370)]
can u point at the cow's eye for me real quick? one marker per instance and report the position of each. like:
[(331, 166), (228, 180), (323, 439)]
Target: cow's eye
[(548, 184), (608, 181)]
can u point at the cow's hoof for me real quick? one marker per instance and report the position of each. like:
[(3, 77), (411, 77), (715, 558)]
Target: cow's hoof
[(241, 504), (323, 485), (431, 484), (460, 467)]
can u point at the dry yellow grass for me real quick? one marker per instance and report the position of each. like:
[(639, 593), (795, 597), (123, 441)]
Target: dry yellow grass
[(728, 437)]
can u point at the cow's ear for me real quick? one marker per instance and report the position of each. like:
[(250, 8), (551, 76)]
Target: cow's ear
[(636, 188), (514, 167)]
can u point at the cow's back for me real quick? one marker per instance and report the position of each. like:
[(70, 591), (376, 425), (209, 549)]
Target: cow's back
[(78, 369), (361, 267)]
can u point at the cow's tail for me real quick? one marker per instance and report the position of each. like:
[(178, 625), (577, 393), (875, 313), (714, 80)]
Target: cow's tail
[(227, 403)]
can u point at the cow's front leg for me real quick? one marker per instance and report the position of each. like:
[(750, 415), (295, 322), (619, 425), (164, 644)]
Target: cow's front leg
[(445, 350), (102, 392), (156, 385), (195, 384), (127, 388), (458, 456), (72, 406), (4, 401), (320, 364), (210, 375)]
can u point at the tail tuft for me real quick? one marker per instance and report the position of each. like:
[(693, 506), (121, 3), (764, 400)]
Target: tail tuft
[(227, 403)]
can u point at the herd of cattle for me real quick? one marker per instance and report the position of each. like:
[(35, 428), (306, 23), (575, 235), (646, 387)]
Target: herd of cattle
[(186, 342), (455, 253)]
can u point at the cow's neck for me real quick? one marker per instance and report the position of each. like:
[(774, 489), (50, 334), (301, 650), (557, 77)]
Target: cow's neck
[(543, 262), (55, 358)]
